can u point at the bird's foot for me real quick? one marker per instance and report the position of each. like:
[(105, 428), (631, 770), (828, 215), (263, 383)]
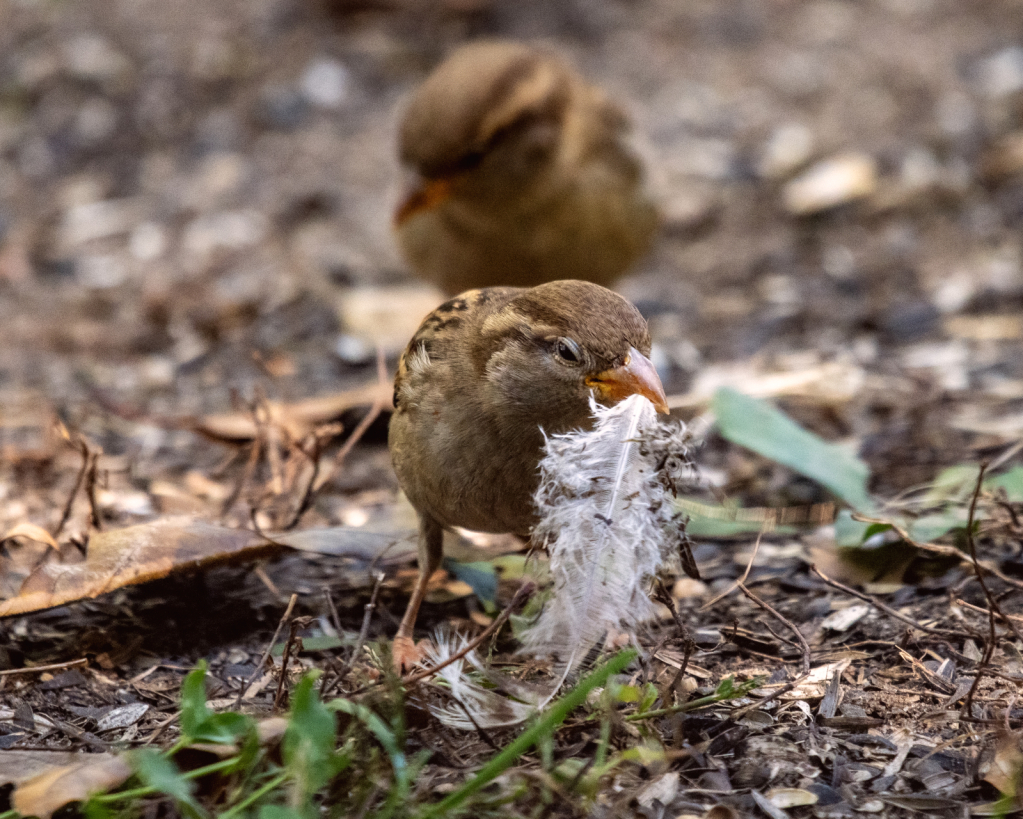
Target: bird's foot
[(406, 654)]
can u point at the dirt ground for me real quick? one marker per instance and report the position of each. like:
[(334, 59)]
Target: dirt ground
[(195, 207)]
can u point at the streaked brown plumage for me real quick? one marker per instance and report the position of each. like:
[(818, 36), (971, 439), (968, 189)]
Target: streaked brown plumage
[(484, 374), (521, 174)]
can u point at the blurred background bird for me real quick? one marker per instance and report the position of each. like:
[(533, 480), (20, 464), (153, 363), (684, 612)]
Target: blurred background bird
[(520, 173)]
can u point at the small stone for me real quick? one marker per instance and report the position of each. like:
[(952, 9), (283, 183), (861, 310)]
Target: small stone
[(97, 220), (354, 350), (1004, 159), (839, 262), (101, 272), (326, 83), (909, 321), (228, 230), (282, 108), (1001, 74), (830, 183), (956, 114), (96, 120), (787, 149), (90, 57), (147, 242)]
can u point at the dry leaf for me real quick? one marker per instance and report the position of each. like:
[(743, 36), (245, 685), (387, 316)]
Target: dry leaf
[(50, 791), (135, 554), (297, 419)]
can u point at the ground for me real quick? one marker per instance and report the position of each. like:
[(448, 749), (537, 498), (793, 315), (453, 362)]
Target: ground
[(195, 211)]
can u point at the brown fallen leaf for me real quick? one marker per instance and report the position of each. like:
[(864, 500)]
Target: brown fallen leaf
[(148, 551), (135, 554), (297, 419), (54, 780), (47, 792), (1003, 768)]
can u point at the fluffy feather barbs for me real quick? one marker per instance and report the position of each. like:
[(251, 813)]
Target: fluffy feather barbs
[(608, 523)]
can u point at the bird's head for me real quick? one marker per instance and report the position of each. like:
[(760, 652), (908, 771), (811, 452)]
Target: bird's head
[(486, 126), (552, 347)]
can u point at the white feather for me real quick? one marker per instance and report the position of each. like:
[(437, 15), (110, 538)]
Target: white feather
[(607, 523), (476, 706)]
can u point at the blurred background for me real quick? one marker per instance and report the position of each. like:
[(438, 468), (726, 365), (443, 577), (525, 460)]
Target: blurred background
[(196, 197)]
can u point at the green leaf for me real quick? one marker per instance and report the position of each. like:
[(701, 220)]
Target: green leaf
[(849, 532), (952, 484), (193, 702), (323, 642), (223, 729), (480, 575), (156, 771), (714, 520), (930, 527), (281, 812), (309, 740), (1011, 482), (759, 426)]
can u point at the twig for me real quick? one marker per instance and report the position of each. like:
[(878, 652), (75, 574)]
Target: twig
[(269, 648), (524, 591), (887, 609), (39, 669), (936, 548), (992, 641), (774, 612), (688, 643), (293, 639), (367, 615), (90, 490), (69, 505), (319, 436), (740, 712), (360, 429), (335, 619), (735, 585)]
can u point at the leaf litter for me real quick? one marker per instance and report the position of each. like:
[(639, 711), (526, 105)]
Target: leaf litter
[(886, 327)]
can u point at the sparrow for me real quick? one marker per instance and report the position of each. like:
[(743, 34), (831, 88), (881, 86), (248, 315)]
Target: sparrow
[(520, 173), (484, 379)]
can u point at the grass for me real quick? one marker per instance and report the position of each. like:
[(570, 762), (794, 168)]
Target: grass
[(344, 758)]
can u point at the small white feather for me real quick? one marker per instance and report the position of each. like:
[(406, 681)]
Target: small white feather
[(475, 706), (608, 524)]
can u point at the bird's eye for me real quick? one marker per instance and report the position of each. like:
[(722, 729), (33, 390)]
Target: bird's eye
[(568, 351)]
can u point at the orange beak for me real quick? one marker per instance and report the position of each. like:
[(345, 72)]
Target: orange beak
[(424, 195), (636, 376)]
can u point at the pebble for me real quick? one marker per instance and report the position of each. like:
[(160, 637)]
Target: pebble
[(909, 320), (1001, 74), (101, 272), (97, 220), (90, 57), (282, 108), (956, 114), (830, 183), (326, 83), (1003, 159), (96, 120), (147, 242), (227, 230), (786, 150)]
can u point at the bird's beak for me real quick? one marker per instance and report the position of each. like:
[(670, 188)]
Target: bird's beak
[(422, 194), (636, 376)]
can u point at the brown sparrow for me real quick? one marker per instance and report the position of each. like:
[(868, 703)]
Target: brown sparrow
[(487, 374), (520, 174)]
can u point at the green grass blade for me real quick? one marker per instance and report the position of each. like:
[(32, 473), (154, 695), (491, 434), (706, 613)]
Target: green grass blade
[(543, 727)]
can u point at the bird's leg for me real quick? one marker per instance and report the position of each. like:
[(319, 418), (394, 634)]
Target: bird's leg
[(431, 550)]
